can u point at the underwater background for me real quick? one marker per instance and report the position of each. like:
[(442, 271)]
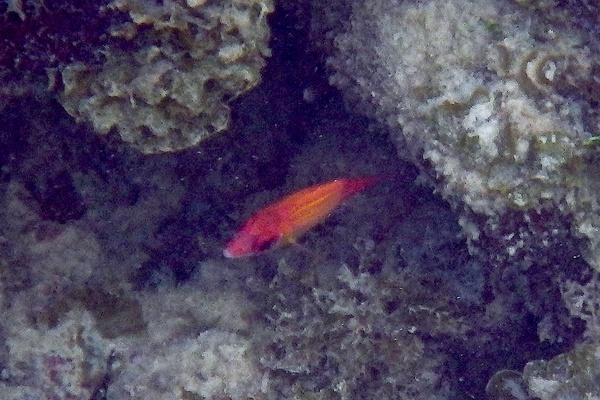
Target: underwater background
[(137, 137)]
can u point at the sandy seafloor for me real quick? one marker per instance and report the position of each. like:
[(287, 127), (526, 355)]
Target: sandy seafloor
[(114, 285)]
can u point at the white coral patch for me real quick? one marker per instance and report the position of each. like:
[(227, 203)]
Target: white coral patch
[(481, 123)]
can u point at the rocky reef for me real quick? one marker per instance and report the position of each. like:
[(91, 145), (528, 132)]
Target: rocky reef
[(498, 99), (460, 275)]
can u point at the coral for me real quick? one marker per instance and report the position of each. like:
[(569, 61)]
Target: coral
[(499, 103), (225, 308), (213, 364), (574, 374), (359, 336), (67, 318), (63, 361), (161, 75), (33, 41), (583, 302), (71, 326), (570, 376), (167, 86), (194, 346), (51, 254), (37, 37), (159, 345), (506, 385)]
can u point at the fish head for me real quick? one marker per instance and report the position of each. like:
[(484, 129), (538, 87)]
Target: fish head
[(252, 239)]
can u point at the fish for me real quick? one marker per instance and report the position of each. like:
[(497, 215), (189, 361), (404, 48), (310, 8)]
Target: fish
[(282, 222)]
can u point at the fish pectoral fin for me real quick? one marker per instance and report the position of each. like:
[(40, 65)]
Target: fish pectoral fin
[(268, 244)]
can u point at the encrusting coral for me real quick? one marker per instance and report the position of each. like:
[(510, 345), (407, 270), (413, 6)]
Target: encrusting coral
[(167, 86), (498, 101)]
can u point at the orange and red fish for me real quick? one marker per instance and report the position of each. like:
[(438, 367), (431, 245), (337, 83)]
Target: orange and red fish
[(285, 220)]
